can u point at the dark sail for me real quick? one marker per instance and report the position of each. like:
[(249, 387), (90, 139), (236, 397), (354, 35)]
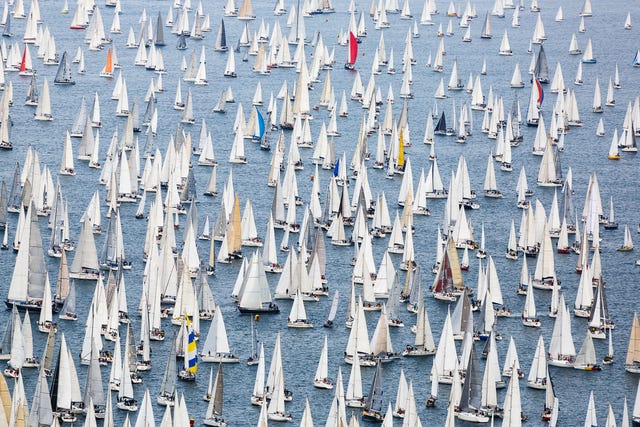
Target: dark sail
[(441, 126), (541, 70), (158, 38), (63, 76)]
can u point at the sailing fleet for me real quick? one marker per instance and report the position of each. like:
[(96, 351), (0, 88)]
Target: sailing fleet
[(156, 242)]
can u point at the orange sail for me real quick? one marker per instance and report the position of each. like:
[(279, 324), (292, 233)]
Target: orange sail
[(107, 71)]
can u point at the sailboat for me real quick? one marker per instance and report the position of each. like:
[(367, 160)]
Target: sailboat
[(61, 393), (608, 359), (486, 27), (167, 394), (586, 358), (632, 362), (43, 109), (470, 398), (374, 406), (27, 284), (614, 149), (221, 39), (448, 282), (107, 70), (551, 404), (611, 223), (245, 13), (333, 310), (213, 415), (18, 355), (230, 67), (216, 346), (276, 408), (490, 185), (298, 315), (352, 53), (529, 314), (321, 378), (591, 419), (562, 352), (190, 368), (256, 297), (63, 76), (627, 245), (423, 344), (587, 55)]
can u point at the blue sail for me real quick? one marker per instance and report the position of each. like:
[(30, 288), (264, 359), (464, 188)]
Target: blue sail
[(259, 129), (336, 169)]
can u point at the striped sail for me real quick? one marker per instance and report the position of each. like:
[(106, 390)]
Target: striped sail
[(191, 354)]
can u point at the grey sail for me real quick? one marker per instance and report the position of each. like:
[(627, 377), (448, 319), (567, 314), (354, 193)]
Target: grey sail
[(556, 157), (5, 344), (69, 305), (7, 27), (37, 268), (168, 387), (15, 196), (47, 358), (32, 92), (109, 256), (132, 351), (158, 38), (541, 70), (56, 220), (94, 390), (149, 147), (151, 108), (87, 143), (86, 259), (3, 205), (221, 39), (188, 193), (182, 42), (415, 295), (41, 413), (135, 116), (218, 393), (441, 126), (78, 125), (569, 213), (63, 76), (471, 397), (319, 250), (374, 406)]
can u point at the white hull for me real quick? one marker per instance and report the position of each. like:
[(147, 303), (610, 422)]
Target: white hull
[(561, 363), (325, 384), (473, 417), (219, 358), (538, 385)]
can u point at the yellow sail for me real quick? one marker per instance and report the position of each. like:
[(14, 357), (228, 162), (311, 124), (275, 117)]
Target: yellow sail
[(192, 352), (62, 285), (234, 229), (454, 264), (400, 162), (20, 419), (5, 401), (633, 351)]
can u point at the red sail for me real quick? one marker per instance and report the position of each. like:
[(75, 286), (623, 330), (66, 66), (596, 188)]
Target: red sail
[(23, 64), (353, 50)]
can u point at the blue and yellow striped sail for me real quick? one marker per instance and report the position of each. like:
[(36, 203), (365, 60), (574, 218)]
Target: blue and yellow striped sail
[(192, 352)]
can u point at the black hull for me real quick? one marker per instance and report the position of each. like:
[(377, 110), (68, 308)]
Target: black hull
[(28, 306), (267, 310)]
